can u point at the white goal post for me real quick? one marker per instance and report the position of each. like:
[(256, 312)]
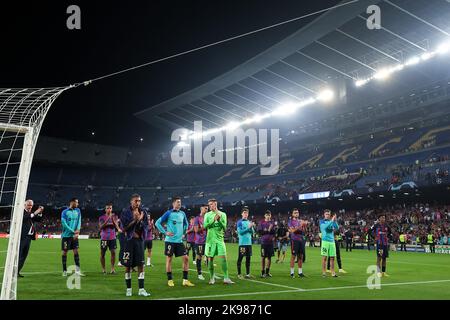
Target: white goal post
[(22, 113)]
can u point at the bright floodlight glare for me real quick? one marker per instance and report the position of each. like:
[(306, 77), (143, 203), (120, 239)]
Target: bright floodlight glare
[(285, 110), (232, 126), (326, 95), (412, 61), (426, 56), (443, 48), (382, 74), (360, 83)]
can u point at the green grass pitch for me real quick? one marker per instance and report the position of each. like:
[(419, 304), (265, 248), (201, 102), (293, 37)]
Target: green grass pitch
[(412, 276)]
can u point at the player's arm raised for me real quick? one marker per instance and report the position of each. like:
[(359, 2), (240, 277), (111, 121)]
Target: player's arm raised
[(116, 225), (223, 221), (241, 229), (209, 221), (196, 226), (127, 221), (37, 215)]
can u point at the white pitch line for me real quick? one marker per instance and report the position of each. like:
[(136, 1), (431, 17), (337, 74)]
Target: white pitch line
[(404, 262), (275, 285), (48, 272), (304, 290), (382, 285), (231, 295), (262, 282)]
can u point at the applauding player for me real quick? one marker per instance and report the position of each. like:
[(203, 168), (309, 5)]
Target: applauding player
[(381, 233), (190, 239), (176, 226), (108, 225), (327, 227), (266, 230), (216, 224), (245, 231), (200, 238), (295, 228), (135, 226)]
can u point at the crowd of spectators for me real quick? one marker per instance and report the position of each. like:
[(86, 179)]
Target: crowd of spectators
[(415, 221)]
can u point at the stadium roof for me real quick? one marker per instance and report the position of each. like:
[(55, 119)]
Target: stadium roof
[(334, 49)]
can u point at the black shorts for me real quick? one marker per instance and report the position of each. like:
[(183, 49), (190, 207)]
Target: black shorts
[(245, 251), (177, 249), (267, 250), (133, 253), (69, 244), (148, 244), (190, 245), (108, 244), (199, 249), (383, 251), (297, 247)]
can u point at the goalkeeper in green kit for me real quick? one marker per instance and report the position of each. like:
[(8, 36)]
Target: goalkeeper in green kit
[(215, 223)]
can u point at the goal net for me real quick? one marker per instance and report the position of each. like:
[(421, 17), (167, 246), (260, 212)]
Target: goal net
[(22, 112)]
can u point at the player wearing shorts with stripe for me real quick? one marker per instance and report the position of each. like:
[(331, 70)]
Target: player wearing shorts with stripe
[(328, 249), (108, 226), (71, 225), (216, 224), (135, 226), (200, 238), (381, 233), (266, 230), (176, 226), (190, 239), (295, 228)]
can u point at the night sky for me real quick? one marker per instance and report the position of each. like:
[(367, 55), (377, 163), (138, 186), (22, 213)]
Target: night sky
[(38, 50)]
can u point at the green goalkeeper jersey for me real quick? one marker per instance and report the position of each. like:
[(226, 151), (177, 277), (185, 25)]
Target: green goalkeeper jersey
[(216, 229)]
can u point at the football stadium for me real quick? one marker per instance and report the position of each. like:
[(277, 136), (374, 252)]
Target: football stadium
[(226, 151)]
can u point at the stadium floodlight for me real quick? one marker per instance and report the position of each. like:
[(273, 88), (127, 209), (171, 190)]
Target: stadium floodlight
[(232, 126), (443, 48), (386, 72), (361, 82), (382, 74), (22, 113), (427, 55), (412, 61), (285, 110), (325, 95)]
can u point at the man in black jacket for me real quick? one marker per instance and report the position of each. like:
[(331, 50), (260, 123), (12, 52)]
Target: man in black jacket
[(28, 232), (348, 240)]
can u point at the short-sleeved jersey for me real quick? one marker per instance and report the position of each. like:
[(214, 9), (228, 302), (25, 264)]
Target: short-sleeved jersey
[(71, 222), (200, 236), (297, 235), (216, 229), (150, 228), (190, 237), (327, 228), (109, 230), (381, 233), (176, 223), (267, 231)]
